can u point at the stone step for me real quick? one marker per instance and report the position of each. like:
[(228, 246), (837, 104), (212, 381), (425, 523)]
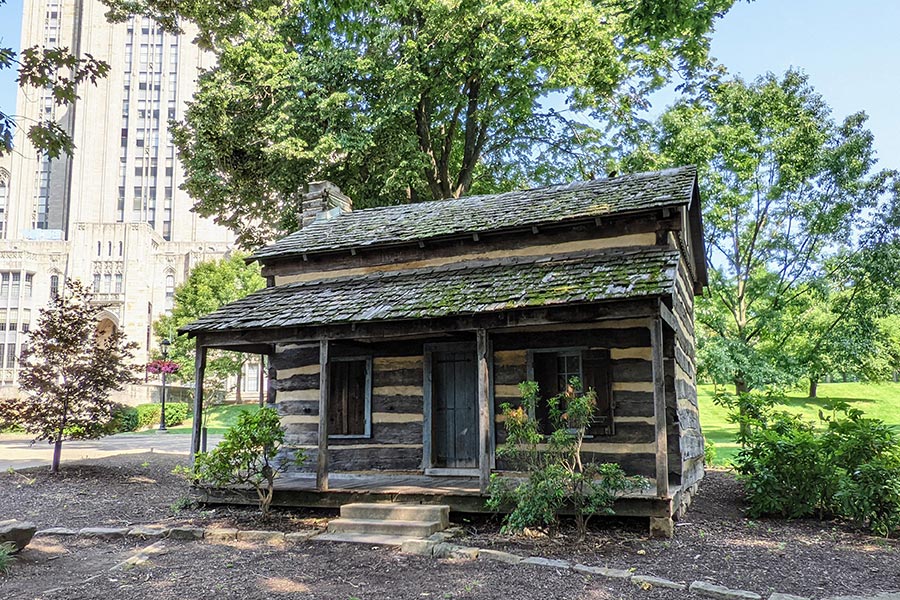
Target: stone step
[(405, 529), (370, 539), (398, 512)]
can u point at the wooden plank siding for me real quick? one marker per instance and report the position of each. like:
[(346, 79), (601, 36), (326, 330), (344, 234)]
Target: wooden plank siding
[(396, 440), (632, 445), (684, 373)]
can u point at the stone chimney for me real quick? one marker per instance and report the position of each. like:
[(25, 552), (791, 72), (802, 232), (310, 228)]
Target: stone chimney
[(323, 200)]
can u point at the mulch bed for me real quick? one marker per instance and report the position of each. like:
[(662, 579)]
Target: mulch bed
[(714, 542)]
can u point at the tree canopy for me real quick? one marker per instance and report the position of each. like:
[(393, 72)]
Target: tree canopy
[(788, 198), (209, 286), (405, 101)]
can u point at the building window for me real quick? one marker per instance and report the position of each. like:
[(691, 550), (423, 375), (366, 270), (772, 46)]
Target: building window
[(4, 284), (118, 283), (170, 292), (96, 287), (350, 397), (29, 285), (16, 285), (250, 381), (11, 356), (54, 286), (554, 371)]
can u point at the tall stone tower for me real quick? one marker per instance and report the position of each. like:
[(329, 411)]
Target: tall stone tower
[(112, 215)]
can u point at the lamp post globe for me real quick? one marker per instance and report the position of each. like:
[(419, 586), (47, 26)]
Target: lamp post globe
[(162, 412)]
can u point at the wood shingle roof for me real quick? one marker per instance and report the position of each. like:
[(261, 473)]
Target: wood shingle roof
[(408, 223), (456, 289)]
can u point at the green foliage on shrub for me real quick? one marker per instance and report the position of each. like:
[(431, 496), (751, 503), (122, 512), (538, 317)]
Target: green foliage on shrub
[(710, 453), (846, 465), (250, 454), (557, 479)]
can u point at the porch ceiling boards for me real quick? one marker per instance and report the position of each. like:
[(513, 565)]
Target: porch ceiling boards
[(453, 290), (425, 221)]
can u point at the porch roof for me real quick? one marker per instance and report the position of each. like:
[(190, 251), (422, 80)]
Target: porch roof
[(452, 290), (408, 223)]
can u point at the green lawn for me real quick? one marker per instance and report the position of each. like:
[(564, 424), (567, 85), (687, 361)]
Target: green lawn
[(218, 419), (877, 400)]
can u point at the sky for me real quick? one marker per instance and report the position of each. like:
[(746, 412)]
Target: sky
[(850, 50)]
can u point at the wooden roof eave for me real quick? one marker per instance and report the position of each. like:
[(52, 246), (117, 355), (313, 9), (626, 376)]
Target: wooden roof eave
[(242, 340), (698, 239)]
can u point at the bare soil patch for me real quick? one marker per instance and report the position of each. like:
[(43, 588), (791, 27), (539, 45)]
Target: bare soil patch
[(714, 542)]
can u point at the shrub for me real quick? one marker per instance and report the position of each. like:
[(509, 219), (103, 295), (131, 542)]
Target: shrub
[(177, 413), (847, 466), (557, 478), (250, 454), (147, 415), (125, 418)]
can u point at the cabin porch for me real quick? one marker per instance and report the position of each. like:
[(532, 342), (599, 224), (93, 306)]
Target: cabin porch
[(461, 494)]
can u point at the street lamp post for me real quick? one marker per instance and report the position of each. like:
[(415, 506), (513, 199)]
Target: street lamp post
[(162, 413)]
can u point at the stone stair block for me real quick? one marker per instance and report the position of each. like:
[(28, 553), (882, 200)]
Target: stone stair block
[(398, 512), (403, 529)]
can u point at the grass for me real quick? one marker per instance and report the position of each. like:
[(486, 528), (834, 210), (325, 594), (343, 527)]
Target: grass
[(218, 419), (876, 400)]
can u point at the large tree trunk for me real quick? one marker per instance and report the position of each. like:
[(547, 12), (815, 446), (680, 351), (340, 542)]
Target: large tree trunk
[(813, 386), (740, 386), (237, 391)]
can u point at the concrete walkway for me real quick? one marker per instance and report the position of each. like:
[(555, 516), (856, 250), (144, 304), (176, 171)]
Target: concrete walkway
[(18, 452)]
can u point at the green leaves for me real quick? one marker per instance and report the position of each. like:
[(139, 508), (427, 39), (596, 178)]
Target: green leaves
[(403, 102), (58, 72), (250, 454)]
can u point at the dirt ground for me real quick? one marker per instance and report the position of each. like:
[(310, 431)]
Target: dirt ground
[(713, 542)]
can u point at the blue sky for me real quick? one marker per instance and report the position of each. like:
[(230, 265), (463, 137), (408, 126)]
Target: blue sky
[(851, 51)]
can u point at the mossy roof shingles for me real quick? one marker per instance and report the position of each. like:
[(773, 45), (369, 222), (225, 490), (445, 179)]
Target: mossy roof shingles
[(479, 214), (458, 289)]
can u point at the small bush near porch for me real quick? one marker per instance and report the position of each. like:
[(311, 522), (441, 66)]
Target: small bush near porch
[(556, 477)]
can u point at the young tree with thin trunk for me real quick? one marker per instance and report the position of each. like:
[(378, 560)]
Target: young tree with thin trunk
[(68, 370)]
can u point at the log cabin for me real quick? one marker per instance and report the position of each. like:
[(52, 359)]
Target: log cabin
[(394, 335)]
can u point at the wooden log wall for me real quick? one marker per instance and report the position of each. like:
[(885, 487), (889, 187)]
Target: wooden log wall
[(685, 377), (396, 440), (632, 444)]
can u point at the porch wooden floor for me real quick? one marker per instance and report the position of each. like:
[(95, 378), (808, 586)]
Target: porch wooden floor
[(462, 494)]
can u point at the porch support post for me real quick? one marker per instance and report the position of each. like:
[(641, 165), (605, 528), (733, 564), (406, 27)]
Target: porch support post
[(199, 372), (484, 410), (322, 467), (659, 409), (271, 376)]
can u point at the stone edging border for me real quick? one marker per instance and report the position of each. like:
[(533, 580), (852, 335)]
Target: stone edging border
[(435, 546)]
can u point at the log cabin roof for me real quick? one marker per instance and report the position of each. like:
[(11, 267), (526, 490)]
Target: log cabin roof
[(409, 223), (457, 289)]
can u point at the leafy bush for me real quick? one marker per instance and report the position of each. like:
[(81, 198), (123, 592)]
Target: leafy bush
[(557, 478), (147, 415), (250, 454), (847, 465), (125, 418), (177, 413)]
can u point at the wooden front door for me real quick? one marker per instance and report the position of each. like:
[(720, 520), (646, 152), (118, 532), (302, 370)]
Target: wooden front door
[(454, 410)]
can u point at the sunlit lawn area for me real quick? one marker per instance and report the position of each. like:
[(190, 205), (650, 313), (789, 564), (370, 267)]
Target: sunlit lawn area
[(877, 400), (218, 419)]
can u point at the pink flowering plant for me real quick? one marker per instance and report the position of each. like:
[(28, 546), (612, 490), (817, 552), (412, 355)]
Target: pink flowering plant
[(162, 366)]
